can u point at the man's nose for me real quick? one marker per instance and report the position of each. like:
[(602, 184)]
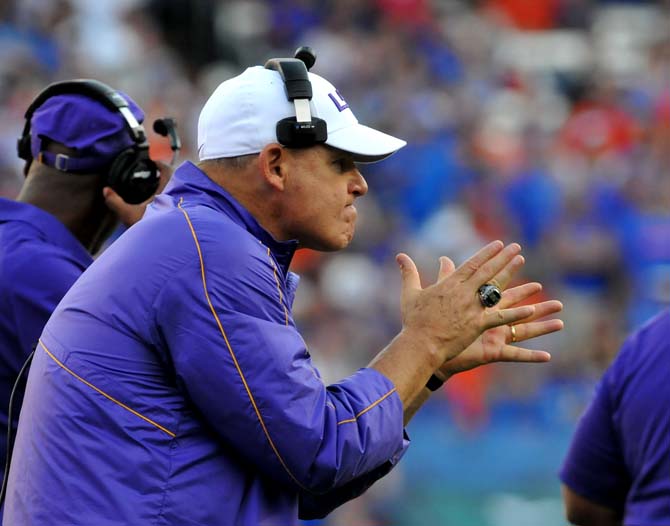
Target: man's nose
[(359, 185)]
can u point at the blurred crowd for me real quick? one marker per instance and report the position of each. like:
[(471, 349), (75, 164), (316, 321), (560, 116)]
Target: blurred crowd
[(545, 122)]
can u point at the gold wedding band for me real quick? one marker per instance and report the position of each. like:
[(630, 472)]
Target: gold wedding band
[(512, 328)]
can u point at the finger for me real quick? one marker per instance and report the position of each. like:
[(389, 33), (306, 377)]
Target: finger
[(447, 267), (113, 200), (526, 331), (410, 275), (163, 167), (471, 266), (503, 277), (166, 172), (126, 213), (495, 318), (496, 264), (511, 353), (519, 293), (545, 309)]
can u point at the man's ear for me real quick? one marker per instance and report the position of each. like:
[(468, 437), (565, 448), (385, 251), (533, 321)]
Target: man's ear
[(273, 163)]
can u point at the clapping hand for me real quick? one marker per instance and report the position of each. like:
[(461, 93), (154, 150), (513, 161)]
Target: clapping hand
[(448, 315), (497, 344)]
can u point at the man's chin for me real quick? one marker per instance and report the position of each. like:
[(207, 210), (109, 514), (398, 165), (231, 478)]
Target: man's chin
[(331, 245), (345, 241)]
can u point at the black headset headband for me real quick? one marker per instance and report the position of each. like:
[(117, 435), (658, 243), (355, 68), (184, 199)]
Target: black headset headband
[(303, 130), (92, 88)]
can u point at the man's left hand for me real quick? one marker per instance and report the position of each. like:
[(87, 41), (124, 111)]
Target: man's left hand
[(497, 344)]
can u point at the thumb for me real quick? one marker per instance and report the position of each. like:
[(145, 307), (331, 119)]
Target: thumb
[(410, 275), (113, 200), (446, 268), (126, 213)]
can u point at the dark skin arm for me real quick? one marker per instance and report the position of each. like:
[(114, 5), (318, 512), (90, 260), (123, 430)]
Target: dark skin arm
[(583, 512)]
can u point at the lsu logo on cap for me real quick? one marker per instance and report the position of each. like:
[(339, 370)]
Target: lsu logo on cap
[(339, 101)]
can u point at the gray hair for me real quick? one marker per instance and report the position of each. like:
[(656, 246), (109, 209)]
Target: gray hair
[(231, 163)]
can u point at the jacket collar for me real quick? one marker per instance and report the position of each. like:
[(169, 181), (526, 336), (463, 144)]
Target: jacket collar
[(195, 186), (50, 229)]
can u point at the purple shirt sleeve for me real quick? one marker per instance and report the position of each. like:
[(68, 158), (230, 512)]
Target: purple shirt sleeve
[(313, 506), (594, 467)]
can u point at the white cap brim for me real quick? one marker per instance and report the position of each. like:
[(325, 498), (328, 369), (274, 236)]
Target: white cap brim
[(366, 144)]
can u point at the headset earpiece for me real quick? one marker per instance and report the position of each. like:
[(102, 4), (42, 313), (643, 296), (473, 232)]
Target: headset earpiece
[(23, 148), (294, 134), (303, 130), (134, 176)]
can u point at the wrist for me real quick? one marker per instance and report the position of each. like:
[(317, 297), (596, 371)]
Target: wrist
[(434, 383), (437, 380), (421, 342)]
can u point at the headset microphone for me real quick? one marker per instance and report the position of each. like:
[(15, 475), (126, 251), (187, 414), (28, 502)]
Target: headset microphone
[(307, 55), (167, 127)]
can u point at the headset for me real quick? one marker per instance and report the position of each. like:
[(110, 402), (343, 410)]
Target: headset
[(303, 130), (10, 423), (167, 127), (132, 174)]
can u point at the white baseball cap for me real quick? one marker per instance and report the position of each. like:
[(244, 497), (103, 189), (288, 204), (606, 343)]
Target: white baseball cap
[(240, 118)]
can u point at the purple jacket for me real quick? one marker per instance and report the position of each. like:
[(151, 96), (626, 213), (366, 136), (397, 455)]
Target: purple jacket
[(40, 259), (171, 386), (620, 454)]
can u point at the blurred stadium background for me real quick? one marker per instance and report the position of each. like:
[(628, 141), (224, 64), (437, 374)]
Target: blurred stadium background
[(541, 121)]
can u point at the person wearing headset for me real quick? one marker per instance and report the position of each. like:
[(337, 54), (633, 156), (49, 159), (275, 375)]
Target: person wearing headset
[(87, 168), (171, 386)]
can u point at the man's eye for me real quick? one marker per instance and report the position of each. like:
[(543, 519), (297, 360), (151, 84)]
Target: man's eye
[(341, 164)]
